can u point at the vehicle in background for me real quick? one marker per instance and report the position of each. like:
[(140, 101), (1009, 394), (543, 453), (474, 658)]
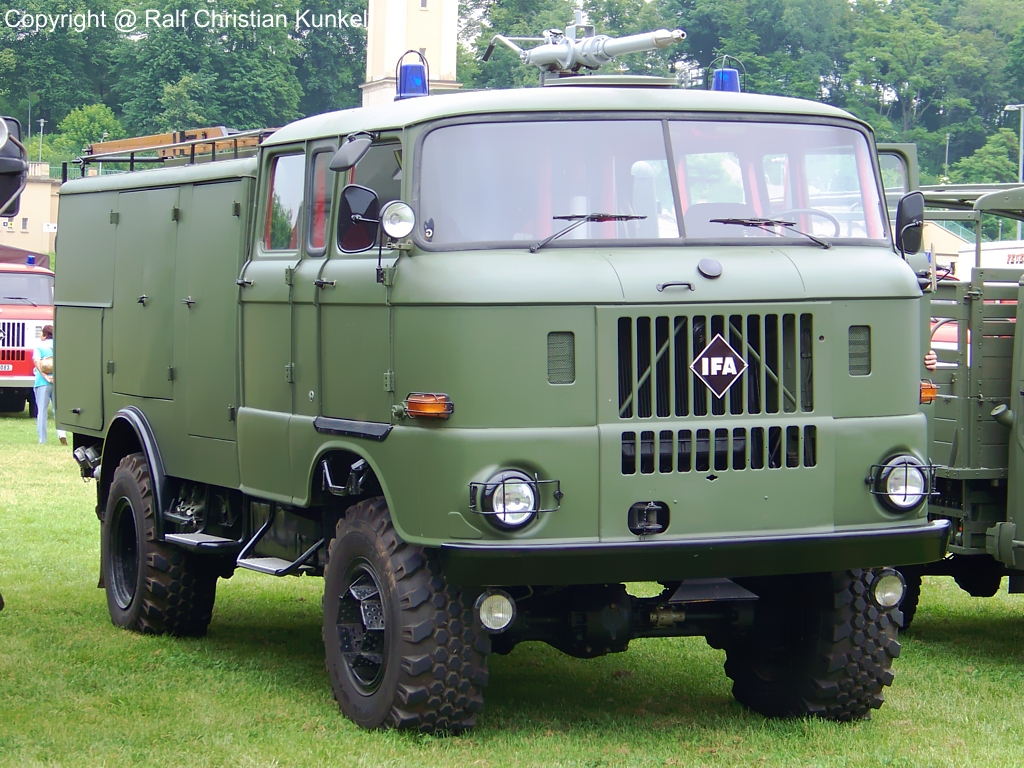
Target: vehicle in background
[(26, 290), (973, 399)]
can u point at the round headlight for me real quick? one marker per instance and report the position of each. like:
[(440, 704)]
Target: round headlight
[(888, 589), (397, 219), (903, 483), (512, 499), (496, 610)]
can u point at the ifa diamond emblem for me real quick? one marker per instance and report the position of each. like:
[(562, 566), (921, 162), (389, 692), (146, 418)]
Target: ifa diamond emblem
[(719, 366)]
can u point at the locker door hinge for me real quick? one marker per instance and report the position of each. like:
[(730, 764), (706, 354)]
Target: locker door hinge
[(236, 208), (175, 213), (114, 217), (289, 372), (110, 366), (389, 381), (170, 373), (231, 413), (288, 275)]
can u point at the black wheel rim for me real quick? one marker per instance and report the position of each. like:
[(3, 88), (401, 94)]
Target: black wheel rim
[(362, 627), (124, 554)]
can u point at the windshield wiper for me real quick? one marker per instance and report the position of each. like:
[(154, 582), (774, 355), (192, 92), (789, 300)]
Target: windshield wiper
[(766, 224), (22, 298), (579, 219)]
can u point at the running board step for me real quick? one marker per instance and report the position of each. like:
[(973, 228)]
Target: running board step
[(203, 542), (275, 566)]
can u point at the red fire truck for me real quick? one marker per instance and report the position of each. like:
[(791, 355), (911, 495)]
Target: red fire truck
[(26, 305)]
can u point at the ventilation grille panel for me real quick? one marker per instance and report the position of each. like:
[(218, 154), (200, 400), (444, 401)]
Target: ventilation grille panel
[(654, 356), (718, 450), (860, 350), (12, 340), (561, 357)]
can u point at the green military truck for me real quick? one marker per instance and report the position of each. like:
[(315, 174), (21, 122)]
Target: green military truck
[(969, 319), (480, 360)]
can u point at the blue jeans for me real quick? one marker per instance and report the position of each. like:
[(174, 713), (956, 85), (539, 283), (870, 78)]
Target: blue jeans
[(43, 397)]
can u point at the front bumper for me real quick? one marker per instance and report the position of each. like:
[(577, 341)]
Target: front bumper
[(602, 563)]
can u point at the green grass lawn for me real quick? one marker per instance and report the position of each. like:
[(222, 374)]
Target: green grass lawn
[(75, 690)]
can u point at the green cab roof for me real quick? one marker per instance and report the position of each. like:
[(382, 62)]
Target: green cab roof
[(408, 112)]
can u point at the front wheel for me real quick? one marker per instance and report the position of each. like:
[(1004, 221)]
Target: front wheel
[(152, 588), (820, 647), (403, 649)]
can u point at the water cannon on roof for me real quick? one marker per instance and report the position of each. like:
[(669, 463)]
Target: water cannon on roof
[(566, 52)]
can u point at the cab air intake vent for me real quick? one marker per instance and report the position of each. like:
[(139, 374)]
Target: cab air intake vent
[(860, 350), (561, 357)]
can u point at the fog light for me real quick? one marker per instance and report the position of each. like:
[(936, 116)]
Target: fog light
[(496, 609), (888, 589)]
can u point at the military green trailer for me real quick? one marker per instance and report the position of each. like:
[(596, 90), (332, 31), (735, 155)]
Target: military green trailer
[(481, 360), (969, 319)]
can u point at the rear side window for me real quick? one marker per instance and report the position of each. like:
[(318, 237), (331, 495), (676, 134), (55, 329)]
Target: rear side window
[(321, 195), (284, 203)]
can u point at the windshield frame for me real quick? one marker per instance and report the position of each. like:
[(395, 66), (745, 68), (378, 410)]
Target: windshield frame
[(665, 118)]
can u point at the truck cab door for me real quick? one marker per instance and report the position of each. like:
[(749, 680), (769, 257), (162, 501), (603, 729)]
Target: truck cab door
[(265, 287), (355, 347)]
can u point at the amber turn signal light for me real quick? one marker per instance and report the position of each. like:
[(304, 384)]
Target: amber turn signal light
[(426, 405), (929, 391)]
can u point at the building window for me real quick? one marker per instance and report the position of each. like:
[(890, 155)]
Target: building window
[(423, 5), (24, 224)]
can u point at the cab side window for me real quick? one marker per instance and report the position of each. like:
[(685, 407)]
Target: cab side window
[(284, 203), (381, 170), (321, 195)]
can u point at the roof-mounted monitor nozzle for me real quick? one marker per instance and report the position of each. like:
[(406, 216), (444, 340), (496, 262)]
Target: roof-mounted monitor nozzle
[(564, 53)]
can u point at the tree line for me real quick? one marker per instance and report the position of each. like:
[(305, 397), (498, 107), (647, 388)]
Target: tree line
[(934, 72)]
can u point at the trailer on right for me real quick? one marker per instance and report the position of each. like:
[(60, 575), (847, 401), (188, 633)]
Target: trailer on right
[(974, 395)]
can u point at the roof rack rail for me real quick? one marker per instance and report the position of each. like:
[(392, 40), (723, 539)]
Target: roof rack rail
[(169, 147)]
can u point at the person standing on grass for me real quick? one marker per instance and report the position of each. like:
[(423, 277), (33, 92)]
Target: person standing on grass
[(42, 360)]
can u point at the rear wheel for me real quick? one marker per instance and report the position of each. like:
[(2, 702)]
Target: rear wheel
[(978, 575), (819, 647), (403, 650), (152, 588)]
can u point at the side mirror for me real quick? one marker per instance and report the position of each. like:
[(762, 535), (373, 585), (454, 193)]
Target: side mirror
[(358, 219), (13, 166), (351, 152), (910, 223)]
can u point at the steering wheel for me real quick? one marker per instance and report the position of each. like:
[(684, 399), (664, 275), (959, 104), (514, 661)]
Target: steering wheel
[(814, 212)]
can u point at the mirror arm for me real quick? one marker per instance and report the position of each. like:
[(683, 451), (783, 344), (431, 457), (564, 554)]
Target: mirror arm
[(914, 223)]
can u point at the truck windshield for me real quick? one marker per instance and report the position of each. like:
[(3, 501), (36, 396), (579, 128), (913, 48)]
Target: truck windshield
[(491, 185), (26, 288)]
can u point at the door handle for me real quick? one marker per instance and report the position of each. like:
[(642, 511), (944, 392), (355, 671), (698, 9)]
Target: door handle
[(188, 301), (322, 283), (243, 282), (142, 299), (662, 286), (76, 411)]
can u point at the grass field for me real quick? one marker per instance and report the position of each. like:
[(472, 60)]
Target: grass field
[(74, 690)]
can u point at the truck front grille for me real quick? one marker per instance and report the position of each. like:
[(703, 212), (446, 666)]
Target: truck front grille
[(12, 340), (654, 356), (704, 450)]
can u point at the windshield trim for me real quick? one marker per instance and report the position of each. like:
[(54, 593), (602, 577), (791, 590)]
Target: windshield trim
[(665, 118)]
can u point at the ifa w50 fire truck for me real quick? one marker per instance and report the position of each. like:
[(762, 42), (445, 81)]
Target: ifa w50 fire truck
[(479, 360), (26, 290)]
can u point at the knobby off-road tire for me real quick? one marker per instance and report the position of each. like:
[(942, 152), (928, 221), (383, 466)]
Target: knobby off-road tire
[(403, 649), (152, 588), (978, 575), (820, 648), (911, 598)]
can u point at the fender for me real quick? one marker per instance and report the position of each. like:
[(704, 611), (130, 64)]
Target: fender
[(128, 432)]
